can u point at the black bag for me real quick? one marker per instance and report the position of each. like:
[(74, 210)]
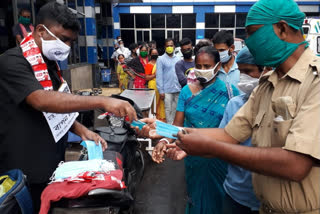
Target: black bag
[(116, 137)]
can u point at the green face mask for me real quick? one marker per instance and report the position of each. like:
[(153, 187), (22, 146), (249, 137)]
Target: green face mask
[(24, 20), (143, 54), (268, 49)]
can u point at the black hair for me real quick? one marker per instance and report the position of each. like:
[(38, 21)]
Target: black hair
[(202, 43), (211, 51), (168, 40), (151, 49), (260, 67), (185, 41), (120, 55), (133, 46), (139, 43), (54, 13), (144, 46), (23, 10), (118, 37), (223, 37)]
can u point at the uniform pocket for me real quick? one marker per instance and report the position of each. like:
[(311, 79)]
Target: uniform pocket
[(255, 126), (280, 132)]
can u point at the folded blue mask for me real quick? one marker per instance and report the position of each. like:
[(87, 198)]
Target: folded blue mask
[(167, 130), (94, 150), (137, 123)]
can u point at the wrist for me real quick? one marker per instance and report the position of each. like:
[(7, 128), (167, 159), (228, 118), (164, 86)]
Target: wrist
[(164, 140)]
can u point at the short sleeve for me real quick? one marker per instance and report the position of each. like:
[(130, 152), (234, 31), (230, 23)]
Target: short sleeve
[(184, 95), (17, 77), (240, 126), (16, 30), (304, 133)]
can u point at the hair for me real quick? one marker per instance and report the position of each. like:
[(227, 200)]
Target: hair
[(202, 43), (120, 55), (223, 37), (133, 46), (151, 49), (144, 46), (211, 51), (168, 40), (185, 41), (54, 13), (23, 10), (118, 37), (152, 42)]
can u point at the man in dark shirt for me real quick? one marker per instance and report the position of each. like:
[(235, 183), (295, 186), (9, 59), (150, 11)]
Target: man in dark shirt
[(24, 26), (26, 141), (187, 63)]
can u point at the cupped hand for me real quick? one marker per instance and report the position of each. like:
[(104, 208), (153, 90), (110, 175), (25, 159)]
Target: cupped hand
[(174, 152), (158, 152)]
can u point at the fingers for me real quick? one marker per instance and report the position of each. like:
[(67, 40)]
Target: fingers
[(149, 121), (98, 139), (130, 112), (158, 152)]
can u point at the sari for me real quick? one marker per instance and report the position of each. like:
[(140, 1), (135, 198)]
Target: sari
[(205, 176), (123, 78), (160, 110), (137, 65)]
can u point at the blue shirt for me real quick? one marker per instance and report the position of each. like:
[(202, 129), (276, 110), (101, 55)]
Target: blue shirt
[(238, 182), (232, 77), (167, 81)]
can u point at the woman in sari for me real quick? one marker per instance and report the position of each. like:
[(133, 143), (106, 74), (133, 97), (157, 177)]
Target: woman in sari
[(123, 77), (137, 65), (202, 106), (150, 70)]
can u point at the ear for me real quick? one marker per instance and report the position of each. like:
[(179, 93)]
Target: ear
[(40, 30), (232, 47), (282, 29)]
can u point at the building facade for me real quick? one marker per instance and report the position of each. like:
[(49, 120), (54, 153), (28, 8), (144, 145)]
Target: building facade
[(159, 19)]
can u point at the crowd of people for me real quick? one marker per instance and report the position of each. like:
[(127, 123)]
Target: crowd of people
[(251, 130)]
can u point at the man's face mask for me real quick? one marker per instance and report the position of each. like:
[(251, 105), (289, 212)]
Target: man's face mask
[(247, 83), (54, 49), (187, 54), (224, 56), (23, 20), (169, 50), (205, 76), (268, 49)]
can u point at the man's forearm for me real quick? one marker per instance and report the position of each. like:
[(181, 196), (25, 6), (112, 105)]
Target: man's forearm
[(275, 162), (57, 102), (217, 134)]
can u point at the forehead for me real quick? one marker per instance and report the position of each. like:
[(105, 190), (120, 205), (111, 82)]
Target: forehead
[(143, 48), (169, 43), (204, 58), (25, 13), (154, 51), (186, 46), (220, 46)]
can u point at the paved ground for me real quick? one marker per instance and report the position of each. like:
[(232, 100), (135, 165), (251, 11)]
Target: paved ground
[(162, 190)]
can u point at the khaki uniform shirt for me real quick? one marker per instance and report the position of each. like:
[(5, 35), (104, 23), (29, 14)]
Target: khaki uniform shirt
[(272, 118)]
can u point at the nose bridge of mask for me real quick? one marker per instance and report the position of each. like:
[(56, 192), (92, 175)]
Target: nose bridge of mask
[(51, 33), (167, 130)]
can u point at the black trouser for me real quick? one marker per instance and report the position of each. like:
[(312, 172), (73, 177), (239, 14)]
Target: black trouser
[(35, 192), (230, 206)]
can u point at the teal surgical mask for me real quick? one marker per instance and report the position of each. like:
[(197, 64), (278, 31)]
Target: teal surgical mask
[(23, 20), (268, 49)]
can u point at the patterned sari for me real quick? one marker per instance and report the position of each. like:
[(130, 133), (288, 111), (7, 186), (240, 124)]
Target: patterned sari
[(160, 110), (205, 176)]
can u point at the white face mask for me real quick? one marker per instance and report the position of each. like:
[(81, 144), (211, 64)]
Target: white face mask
[(224, 56), (205, 76), (247, 83), (54, 49)]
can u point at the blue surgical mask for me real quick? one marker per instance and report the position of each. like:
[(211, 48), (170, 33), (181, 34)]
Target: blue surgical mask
[(94, 150), (224, 56), (268, 49), (167, 130)]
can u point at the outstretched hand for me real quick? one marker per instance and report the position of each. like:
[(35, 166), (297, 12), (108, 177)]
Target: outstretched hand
[(175, 153)]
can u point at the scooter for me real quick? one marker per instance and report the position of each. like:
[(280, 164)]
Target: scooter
[(125, 150)]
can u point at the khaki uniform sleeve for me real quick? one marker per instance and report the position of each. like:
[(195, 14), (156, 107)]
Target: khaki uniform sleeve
[(304, 133), (240, 126)]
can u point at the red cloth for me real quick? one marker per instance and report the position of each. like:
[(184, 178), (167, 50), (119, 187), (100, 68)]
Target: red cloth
[(55, 191)]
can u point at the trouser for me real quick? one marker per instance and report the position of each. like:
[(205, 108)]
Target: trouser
[(170, 105), (230, 206)]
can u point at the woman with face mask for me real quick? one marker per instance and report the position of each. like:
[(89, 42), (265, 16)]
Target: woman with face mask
[(201, 106), (138, 65), (24, 26), (150, 70)]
